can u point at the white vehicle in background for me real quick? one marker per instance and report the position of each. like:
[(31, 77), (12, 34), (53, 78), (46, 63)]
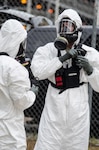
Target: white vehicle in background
[(28, 20)]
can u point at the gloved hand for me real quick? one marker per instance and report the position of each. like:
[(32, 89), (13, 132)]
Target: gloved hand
[(83, 62), (72, 53), (35, 89)]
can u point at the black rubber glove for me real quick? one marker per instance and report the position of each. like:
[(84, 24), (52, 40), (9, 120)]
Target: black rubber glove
[(72, 53), (84, 63)]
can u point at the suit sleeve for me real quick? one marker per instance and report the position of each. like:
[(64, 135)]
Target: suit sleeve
[(19, 88), (93, 79), (45, 62)]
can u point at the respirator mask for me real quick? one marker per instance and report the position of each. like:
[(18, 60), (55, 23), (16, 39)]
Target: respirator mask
[(68, 33)]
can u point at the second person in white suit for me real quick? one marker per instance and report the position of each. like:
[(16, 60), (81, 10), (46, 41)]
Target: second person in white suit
[(15, 89)]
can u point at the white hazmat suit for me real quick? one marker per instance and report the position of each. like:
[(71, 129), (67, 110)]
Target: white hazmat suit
[(64, 123), (15, 94)]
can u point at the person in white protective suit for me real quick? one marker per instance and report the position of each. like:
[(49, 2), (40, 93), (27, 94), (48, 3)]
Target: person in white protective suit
[(69, 66), (15, 89)]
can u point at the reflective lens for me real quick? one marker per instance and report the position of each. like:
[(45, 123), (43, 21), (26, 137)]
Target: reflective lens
[(67, 26)]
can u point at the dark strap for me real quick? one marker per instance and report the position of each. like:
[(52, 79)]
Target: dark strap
[(66, 89), (59, 53), (4, 53), (54, 85), (62, 90)]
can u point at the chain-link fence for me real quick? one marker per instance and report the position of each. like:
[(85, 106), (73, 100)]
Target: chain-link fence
[(40, 36)]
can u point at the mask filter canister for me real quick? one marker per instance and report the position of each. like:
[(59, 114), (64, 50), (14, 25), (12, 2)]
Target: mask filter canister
[(60, 43)]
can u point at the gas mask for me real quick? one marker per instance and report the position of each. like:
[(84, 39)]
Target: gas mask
[(68, 33)]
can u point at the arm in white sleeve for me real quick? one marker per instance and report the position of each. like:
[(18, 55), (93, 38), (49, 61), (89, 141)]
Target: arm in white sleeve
[(93, 79), (45, 62), (19, 88)]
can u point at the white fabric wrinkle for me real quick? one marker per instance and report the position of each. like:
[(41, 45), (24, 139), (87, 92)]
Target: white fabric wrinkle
[(94, 79), (67, 106), (44, 70)]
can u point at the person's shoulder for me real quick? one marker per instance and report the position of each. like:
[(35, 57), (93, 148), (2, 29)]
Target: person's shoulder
[(10, 62), (91, 53), (88, 48), (49, 45)]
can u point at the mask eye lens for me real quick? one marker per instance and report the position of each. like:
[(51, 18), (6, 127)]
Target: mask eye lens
[(67, 26)]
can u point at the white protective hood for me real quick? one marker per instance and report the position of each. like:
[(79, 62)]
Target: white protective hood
[(74, 16), (11, 35)]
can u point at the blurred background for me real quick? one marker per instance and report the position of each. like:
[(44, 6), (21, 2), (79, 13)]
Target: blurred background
[(50, 9), (38, 17)]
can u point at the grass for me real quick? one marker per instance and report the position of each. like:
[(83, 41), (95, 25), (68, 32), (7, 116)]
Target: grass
[(31, 139), (93, 143), (93, 148)]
